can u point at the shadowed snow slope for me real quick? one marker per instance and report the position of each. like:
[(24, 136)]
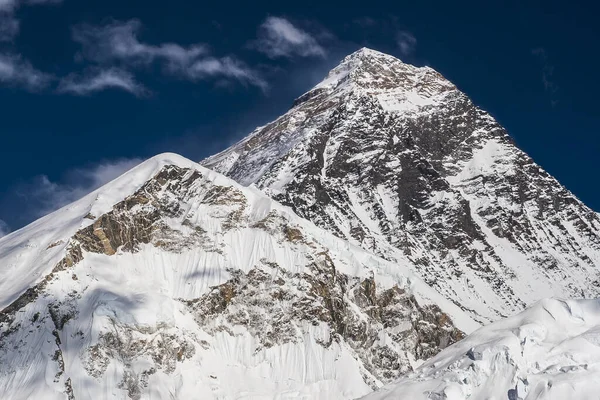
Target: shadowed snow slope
[(174, 282), (549, 351)]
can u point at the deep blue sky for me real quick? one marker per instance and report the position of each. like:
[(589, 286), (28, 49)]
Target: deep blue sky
[(533, 65)]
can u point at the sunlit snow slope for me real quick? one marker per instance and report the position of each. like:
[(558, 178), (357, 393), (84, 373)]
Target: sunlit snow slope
[(397, 160), (550, 351), (174, 282)]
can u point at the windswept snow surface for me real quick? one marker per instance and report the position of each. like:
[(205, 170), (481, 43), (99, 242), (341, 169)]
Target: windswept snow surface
[(550, 351), (164, 316)]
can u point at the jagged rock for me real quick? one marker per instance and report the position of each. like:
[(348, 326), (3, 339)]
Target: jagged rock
[(130, 301), (397, 160), (278, 307)]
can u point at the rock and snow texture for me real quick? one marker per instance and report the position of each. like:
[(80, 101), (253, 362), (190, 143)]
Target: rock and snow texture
[(395, 159), (174, 282), (549, 351), (373, 225)]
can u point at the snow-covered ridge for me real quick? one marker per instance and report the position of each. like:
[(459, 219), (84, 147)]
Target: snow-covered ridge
[(190, 284), (549, 351), (31, 252)]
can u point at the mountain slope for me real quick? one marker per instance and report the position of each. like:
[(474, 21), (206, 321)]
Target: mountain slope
[(376, 223), (174, 282), (397, 160), (549, 351)]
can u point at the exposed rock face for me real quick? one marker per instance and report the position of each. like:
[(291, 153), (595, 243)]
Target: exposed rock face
[(397, 160), (139, 219), (189, 264), (383, 329)]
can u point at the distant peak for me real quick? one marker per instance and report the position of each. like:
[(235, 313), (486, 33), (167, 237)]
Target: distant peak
[(367, 52), (362, 65)]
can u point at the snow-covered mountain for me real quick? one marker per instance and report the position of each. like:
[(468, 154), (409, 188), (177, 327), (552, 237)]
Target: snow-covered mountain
[(333, 251), (395, 159), (174, 282), (549, 351)]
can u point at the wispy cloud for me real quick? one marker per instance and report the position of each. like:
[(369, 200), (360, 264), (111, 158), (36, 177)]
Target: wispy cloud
[(44, 195), (406, 42), (9, 24), (8, 5), (17, 72), (4, 229), (278, 37), (225, 67), (117, 43), (97, 80), (547, 73), (11, 5), (91, 177)]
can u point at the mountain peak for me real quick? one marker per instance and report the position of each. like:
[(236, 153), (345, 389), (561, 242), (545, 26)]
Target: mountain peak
[(380, 72), (394, 157), (365, 52)]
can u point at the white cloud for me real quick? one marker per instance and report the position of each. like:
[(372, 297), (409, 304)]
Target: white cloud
[(44, 196), (96, 80), (8, 5), (15, 71), (226, 67), (103, 172), (11, 5), (4, 229), (278, 37), (117, 43), (406, 42)]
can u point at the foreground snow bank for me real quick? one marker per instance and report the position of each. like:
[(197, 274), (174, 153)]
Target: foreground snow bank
[(549, 351)]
